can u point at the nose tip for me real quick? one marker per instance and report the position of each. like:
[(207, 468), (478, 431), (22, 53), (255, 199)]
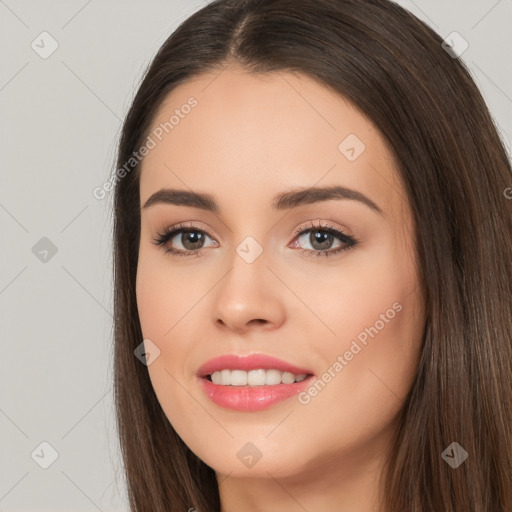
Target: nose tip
[(246, 299)]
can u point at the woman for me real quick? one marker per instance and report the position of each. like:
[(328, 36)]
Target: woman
[(253, 374)]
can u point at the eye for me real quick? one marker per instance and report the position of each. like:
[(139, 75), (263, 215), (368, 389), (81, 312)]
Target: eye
[(191, 238), (321, 238)]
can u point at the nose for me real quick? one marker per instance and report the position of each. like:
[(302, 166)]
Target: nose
[(249, 297)]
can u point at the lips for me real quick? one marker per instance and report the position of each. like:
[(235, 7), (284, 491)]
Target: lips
[(247, 363), (251, 398)]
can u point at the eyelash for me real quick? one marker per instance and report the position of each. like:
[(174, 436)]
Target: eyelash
[(351, 242)]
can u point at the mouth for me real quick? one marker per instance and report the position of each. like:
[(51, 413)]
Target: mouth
[(252, 397), (252, 383)]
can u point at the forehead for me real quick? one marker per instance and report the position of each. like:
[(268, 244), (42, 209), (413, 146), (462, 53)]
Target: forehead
[(232, 130)]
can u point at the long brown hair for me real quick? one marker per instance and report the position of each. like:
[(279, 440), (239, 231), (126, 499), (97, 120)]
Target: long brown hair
[(455, 171)]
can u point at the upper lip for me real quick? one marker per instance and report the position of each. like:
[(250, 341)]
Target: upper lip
[(247, 363)]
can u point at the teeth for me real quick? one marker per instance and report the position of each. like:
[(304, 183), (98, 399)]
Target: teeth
[(254, 377)]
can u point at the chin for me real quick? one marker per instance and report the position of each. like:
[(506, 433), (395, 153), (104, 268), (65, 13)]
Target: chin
[(245, 459)]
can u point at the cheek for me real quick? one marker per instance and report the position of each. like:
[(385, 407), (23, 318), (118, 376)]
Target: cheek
[(169, 303), (386, 318), (383, 347), (163, 296), (163, 317), (379, 329)]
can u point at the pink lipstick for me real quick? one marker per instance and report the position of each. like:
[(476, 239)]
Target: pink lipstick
[(252, 383)]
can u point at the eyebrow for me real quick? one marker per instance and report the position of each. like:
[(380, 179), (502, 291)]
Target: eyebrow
[(282, 201)]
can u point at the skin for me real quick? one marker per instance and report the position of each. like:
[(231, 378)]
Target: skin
[(249, 138)]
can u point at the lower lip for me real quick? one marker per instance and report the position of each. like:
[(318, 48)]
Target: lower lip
[(252, 398)]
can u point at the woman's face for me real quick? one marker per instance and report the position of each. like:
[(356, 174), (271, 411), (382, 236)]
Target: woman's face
[(263, 276)]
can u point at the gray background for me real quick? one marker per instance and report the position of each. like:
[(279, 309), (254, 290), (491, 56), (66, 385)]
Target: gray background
[(60, 121)]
